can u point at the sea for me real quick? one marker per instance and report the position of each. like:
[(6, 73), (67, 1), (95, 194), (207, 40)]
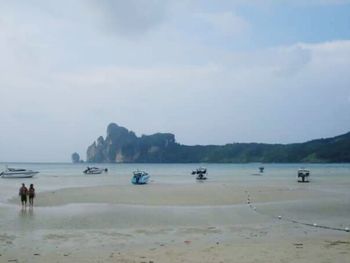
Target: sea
[(326, 179), (54, 176)]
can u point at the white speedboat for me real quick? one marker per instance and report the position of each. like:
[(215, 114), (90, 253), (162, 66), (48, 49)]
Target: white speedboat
[(18, 173), (94, 170)]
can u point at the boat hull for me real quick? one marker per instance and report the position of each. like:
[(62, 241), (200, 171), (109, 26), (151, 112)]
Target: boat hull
[(303, 176), (201, 178), (18, 175), (93, 172), (142, 180)]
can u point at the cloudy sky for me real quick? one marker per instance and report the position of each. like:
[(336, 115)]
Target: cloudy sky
[(211, 72)]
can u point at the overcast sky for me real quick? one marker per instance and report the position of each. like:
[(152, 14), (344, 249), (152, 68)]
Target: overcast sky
[(211, 72)]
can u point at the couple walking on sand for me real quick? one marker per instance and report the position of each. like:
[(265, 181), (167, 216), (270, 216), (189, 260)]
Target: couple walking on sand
[(24, 192)]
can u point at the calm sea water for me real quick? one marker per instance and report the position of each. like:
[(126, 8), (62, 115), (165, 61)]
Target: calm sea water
[(64, 175), (179, 170)]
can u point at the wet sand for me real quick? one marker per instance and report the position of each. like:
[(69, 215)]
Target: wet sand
[(165, 194), (203, 222), (188, 245)]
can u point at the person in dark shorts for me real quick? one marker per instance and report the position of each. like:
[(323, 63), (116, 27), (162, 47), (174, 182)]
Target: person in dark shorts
[(31, 194), (23, 191)]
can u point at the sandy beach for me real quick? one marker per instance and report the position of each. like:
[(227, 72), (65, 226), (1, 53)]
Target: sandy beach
[(240, 220)]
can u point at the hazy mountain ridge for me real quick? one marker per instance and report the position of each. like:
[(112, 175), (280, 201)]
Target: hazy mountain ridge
[(122, 145)]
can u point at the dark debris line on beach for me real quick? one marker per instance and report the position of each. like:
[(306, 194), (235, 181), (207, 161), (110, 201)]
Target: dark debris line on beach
[(292, 220)]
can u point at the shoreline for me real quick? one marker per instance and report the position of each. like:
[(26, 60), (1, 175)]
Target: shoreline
[(208, 194)]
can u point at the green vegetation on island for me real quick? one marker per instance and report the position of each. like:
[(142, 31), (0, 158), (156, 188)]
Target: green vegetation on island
[(123, 146)]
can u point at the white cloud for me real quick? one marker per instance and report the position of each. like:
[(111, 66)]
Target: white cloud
[(225, 23), (62, 80), (211, 94), (244, 96), (129, 18)]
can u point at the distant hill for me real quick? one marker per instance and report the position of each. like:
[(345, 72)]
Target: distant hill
[(123, 146)]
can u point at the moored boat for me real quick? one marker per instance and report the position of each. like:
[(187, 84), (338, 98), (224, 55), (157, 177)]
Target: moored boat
[(140, 177), (94, 170), (18, 173), (201, 173), (303, 175)]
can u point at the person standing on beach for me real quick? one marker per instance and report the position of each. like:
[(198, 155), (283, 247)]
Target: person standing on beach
[(31, 194), (23, 191)]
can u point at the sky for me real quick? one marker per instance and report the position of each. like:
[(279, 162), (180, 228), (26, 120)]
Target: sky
[(211, 72)]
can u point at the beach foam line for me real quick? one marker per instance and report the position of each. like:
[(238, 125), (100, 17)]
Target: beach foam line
[(254, 208)]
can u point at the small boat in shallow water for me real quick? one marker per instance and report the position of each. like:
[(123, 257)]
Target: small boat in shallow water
[(201, 173), (303, 175), (140, 177), (94, 170), (18, 173)]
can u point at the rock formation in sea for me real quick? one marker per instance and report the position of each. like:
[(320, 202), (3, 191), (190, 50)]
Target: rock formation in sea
[(75, 157), (122, 145)]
